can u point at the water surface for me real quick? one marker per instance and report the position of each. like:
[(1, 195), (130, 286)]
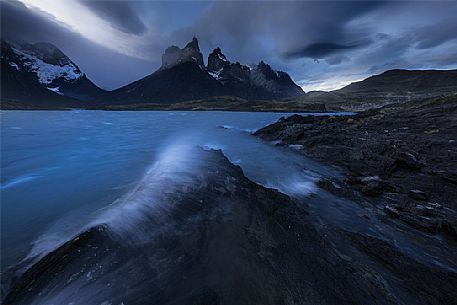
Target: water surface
[(63, 171), (59, 167)]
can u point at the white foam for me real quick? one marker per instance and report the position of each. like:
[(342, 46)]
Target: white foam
[(296, 185), (296, 146), (19, 180), (176, 168), (250, 131), (226, 126)]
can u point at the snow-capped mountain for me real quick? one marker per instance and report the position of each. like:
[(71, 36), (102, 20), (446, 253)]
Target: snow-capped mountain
[(183, 77), (40, 71), (41, 75), (47, 62)]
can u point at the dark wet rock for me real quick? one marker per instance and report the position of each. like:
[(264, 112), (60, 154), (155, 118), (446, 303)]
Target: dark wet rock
[(418, 194), (391, 210), (425, 216), (421, 280), (448, 176), (406, 160), (394, 144), (370, 186), (221, 239), (372, 189), (335, 188)]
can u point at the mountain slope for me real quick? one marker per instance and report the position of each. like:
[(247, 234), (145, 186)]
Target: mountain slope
[(185, 81), (404, 82), (40, 74), (399, 86), (392, 86)]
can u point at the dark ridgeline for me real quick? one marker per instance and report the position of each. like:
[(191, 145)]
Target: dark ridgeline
[(182, 77), (40, 75), (400, 86)]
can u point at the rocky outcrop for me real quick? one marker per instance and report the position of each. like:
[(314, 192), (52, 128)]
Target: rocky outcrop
[(241, 77), (217, 61), (190, 53), (402, 156), (219, 238)]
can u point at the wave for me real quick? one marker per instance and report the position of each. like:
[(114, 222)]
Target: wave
[(138, 214), (134, 216), (27, 177), (19, 180)]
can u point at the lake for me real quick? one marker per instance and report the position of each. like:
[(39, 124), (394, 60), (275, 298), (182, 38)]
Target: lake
[(58, 168)]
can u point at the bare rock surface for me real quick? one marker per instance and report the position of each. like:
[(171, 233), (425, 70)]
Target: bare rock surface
[(219, 238), (403, 156)]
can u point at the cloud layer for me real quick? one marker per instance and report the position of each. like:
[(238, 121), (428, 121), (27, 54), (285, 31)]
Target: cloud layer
[(323, 45)]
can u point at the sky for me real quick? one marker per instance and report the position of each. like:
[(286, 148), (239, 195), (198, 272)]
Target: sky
[(322, 45)]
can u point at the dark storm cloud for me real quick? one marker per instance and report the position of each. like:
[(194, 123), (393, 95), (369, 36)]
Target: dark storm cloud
[(19, 23), (436, 34), (336, 59), (106, 68), (289, 29), (319, 50), (121, 14)]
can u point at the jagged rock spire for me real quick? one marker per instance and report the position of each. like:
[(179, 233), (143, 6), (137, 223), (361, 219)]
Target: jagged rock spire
[(217, 60), (190, 53)]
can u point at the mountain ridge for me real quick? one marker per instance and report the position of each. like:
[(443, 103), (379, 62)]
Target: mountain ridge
[(40, 75), (183, 76)]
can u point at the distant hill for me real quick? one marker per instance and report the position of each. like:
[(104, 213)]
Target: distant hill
[(404, 82), (389, 87)]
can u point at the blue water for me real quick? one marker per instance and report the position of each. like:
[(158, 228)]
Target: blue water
[(63, 170), (59, 167)]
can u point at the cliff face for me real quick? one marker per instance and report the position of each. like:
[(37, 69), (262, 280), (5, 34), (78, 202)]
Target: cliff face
[(190, 53), (217, 60)]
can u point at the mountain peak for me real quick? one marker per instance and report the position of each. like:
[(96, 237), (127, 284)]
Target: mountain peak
[(193, 44), (190, 53), (41, 72), (217, 60)]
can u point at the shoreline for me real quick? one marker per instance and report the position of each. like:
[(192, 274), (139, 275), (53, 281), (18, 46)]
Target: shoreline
[(402, 158)]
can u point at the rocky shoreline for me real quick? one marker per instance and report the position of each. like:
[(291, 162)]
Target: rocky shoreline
[(402, 158), (222, 239)]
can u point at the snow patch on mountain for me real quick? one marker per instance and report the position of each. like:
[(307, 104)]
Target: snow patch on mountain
[(46, 72), (56, 90), (215, 74)]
